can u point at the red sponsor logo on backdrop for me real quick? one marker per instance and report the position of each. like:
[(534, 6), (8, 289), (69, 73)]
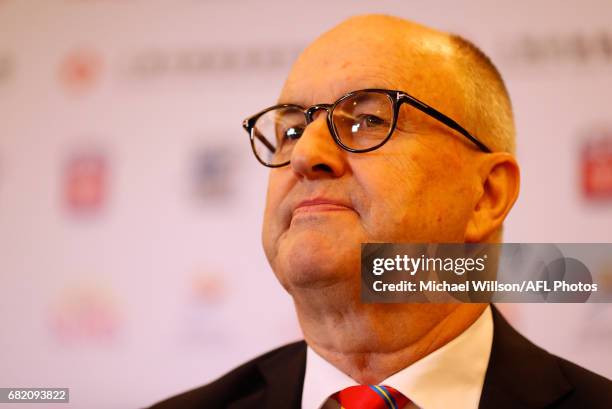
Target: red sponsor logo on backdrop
[(85, 183), (80, 70), (596, 164)]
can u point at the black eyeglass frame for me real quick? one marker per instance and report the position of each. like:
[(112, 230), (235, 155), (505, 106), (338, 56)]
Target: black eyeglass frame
[(397, 98)]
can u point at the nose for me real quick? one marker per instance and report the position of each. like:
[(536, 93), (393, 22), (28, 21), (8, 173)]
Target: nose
[(316, 154)]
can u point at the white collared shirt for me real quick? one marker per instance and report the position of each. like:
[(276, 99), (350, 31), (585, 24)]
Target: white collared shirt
[(450, 377)]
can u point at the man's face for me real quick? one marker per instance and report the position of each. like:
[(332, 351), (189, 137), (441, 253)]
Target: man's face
[(418, 187)]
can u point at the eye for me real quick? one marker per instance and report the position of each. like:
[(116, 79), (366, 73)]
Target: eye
[(364, 122), (293, 133), (289, 134)]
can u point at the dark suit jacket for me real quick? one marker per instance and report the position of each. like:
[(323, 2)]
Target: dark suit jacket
[(520, 375)]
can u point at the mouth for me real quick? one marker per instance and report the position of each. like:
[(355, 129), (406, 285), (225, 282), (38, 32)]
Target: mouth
[(320, 205)]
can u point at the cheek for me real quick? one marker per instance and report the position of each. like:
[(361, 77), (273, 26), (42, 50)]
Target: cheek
[(444, 202), (273, 216), (392, 194), (413, 199)]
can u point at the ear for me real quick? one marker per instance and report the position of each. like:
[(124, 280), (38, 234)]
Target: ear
[(500, 180)]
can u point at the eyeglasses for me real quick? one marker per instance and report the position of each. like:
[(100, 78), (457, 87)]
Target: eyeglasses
[(360, 121)]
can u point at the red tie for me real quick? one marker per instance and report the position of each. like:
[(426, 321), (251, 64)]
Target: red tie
[(370, 397)]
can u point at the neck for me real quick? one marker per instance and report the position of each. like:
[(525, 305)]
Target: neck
[(370, 342)]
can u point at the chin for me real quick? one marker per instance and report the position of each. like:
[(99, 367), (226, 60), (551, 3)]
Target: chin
[(315, 261), (316, 251)]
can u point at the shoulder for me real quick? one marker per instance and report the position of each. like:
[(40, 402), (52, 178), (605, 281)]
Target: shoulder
[(244, 381), (590, 390), (521, 374)]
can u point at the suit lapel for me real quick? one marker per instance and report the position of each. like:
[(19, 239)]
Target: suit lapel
[(520, 374), (283, 380)]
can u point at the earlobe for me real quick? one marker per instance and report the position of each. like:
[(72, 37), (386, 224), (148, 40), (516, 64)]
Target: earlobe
[(500, 178)]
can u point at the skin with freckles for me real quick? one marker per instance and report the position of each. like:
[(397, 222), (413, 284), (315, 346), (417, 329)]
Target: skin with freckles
[(426, 184)]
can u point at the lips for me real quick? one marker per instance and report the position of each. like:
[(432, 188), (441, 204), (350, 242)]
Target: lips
[(320, 205)]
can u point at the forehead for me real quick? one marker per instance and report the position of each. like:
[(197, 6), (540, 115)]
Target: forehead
[(324, 81), (339, 62)]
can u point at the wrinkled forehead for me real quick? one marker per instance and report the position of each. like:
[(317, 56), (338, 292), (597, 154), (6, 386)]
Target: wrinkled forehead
[(343, 60)]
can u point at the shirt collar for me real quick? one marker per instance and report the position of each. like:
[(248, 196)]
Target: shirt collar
[(451, 376)]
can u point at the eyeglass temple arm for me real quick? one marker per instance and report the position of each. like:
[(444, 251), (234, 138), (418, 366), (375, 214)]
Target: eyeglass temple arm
[(264, 140), (252, 131), (421, 106)]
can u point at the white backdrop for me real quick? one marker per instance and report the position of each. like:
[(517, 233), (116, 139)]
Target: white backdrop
[(130, 204)]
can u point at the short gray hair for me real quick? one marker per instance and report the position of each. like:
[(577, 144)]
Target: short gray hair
[(489, 109)]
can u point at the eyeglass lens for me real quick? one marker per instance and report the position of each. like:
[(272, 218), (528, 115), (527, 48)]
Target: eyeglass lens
[(360, 121)]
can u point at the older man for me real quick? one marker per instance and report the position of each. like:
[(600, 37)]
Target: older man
[(388, 131)]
